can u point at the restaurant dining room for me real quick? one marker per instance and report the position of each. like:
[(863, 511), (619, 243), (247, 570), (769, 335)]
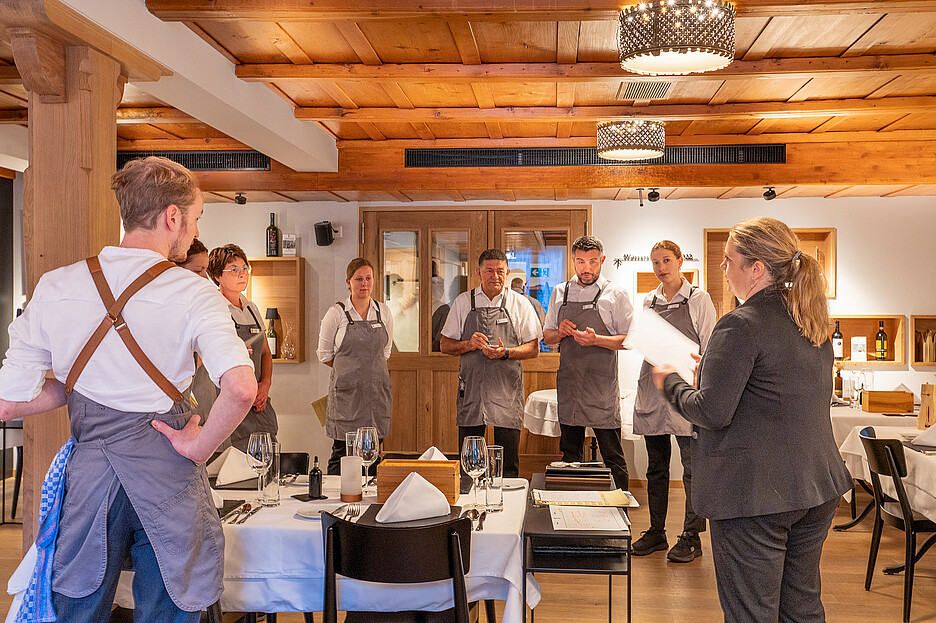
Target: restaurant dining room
[(552, 310)]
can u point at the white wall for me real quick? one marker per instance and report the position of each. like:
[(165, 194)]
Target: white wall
[(886, 259)]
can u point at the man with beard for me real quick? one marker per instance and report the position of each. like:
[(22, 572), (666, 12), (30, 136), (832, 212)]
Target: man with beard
[(589, 318)]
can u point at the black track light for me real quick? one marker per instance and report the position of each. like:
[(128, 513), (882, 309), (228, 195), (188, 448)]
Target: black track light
[(770, 193), (240, 198), (653, 195)]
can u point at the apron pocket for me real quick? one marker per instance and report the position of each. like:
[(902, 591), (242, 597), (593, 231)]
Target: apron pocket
[(181, 521)]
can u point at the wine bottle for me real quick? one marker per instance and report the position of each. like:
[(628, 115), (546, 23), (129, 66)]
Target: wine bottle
[(838, 342), (880, 343), (271, 338), (315, 481), (837, 381), (273, 238)]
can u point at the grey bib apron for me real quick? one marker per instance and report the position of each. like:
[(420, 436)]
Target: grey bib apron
[(490, 391), (359, 383), (587, 380), (255, 421), (653, 415)]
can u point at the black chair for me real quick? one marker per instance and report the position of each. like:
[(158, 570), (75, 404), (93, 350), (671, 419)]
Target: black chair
[(294, 463), (396, 555), (886, 458)]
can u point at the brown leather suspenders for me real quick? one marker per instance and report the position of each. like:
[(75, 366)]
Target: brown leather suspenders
[(115, 320)]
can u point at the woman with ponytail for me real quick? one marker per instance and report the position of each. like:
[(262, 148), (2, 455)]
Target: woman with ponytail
[(766, 472)]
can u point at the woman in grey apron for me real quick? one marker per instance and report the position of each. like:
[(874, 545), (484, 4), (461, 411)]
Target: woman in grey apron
[(229, 269), (656, 420), (354, 341)]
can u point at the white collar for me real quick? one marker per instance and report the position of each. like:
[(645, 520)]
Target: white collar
[(684, 290)]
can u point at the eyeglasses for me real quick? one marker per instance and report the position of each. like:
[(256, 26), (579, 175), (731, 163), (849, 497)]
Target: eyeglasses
[(237, 270)]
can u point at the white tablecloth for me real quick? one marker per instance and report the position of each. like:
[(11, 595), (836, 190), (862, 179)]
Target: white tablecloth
[(275, 563), (541, 413), (844, 419), (920, 482)]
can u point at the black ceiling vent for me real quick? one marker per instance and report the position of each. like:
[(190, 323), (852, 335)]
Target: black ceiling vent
[(588, 156), (194, 160)]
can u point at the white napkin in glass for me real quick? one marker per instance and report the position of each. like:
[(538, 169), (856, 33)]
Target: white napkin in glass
[(432, 454), (231, 466), (415, 498)]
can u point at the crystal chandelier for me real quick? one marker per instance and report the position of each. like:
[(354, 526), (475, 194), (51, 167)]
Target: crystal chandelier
[(632, 139), (677, 36)]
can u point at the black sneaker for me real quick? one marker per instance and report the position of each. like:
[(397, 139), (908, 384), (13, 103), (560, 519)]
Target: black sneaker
[(688, 547), (650, 541)]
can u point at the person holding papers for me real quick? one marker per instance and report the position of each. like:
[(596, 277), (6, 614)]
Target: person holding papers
[(690, 310), (766, 472), (589, 317)]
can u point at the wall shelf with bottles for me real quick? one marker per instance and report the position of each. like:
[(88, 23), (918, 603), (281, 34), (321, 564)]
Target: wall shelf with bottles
[(867, 326), (923, 350), (818, 242), (280, 282)]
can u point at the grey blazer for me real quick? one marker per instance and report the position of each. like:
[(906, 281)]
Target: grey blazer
[(762, 435)]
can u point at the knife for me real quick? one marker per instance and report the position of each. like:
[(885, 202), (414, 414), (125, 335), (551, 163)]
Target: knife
[(248, 515), (238, 509)]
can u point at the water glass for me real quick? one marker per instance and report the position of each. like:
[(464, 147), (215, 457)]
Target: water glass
[(367, 446), (259, 457), (270, 489), (494, 479)]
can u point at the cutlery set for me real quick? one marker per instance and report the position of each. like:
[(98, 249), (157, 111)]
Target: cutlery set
[(240, 514)]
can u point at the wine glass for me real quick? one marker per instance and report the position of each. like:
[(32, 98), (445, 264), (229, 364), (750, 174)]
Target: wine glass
[(367, 446), (259, 457), (474, 461)]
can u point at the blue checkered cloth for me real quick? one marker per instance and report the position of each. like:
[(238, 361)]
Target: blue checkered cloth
[(37, 603)]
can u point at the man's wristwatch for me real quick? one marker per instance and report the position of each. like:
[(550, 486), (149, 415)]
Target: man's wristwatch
[(506, 353)]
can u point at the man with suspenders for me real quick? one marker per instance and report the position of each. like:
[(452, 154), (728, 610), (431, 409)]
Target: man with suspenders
[(589, 318), (134, 466), (492, 328)]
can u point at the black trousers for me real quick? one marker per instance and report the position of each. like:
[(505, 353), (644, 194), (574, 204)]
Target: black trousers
[(509, 438), (767, 567), (659, 451), (572, 443), (340, 449)]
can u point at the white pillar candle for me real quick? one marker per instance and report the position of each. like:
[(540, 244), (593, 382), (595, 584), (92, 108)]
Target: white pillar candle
[(351, 478)]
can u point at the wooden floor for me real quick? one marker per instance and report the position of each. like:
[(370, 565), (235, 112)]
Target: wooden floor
[(668, 592)]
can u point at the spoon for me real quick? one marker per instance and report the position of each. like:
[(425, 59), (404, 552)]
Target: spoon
[(244, 508), (481, 520), (472, 514)]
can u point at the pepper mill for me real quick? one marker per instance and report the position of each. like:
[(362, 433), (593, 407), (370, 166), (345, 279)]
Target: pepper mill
[(315, 481)]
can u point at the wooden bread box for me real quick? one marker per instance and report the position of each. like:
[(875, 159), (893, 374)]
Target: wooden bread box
[(874, 401), (443, 474)]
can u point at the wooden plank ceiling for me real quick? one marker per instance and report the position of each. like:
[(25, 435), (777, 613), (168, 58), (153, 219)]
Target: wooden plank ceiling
[(838, 81)]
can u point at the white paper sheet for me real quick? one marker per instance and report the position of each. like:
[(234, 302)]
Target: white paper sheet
[(662, 343), (587, 518)]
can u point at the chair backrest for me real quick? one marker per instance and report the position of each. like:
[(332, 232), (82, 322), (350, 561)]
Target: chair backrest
[(294, 463), (886, 458), (397, 555)]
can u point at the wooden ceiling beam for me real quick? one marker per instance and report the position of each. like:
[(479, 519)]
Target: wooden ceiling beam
[(764, 69), (674, 112), (153, 115), (486, 10), (182, 144), (14, 116), (9, 74)]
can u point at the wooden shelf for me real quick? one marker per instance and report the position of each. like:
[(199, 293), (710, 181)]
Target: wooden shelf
[(818, 242), (280, 282), (923, 324), (867, 326)]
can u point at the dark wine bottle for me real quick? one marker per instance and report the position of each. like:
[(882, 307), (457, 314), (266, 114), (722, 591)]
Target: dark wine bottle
[(273, 238), (838, 343), (880, 343), (315, 481), (271, 338)]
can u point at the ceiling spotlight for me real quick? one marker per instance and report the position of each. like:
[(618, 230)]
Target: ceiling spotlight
[(240, 198), (770, 193), (653, 195)]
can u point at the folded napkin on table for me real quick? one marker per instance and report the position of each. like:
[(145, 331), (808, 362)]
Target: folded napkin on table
[(230, 467), (432, 454), (926, 438), (216, 499), (415, 498)]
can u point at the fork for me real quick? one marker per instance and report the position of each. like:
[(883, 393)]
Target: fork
[(353, 510)]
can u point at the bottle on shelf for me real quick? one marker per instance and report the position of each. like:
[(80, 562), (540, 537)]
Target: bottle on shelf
[(273, 237), (271, 338), (880, 343), (837, 380), (315, 481), (838, 343)]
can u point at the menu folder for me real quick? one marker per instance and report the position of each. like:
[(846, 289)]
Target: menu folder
[(617, 498)]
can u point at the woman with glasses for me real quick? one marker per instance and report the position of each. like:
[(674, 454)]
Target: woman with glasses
[(355, 342), (229, 269)]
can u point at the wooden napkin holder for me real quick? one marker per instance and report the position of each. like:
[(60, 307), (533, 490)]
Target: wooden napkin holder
[(443, 474), (874, 401), (927, 415)]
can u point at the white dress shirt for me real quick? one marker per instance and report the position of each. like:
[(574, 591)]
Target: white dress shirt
[(335, 324), (614, 304), (176, 314), (521, 312), (701, 309)]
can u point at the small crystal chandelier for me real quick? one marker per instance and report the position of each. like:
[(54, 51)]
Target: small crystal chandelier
[(632, 139), (674, 37)]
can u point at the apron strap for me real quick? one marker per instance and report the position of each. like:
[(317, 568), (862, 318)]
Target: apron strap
[(597, 296), (653, 301), (347, 315), (503, 304), (472, 300), (257, 320), (377, 309), (565, 293), (115, 319)]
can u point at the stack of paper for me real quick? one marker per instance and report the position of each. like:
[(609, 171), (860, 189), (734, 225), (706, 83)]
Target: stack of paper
[(585, 498)]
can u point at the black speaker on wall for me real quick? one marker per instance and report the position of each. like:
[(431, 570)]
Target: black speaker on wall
[(324, 235)]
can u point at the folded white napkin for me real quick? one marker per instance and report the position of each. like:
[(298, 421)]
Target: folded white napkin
[(230, 467), (217, 499), (19, 582), (926, 438), (415, 498), (432, 454)]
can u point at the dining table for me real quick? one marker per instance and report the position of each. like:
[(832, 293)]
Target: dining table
[(541, 414), (275, 560)]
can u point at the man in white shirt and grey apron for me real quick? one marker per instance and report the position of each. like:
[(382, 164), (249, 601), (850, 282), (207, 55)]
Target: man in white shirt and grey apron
[(136, 483), (492, 328), (589, 318)]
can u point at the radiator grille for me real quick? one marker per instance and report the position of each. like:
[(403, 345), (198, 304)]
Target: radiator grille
[(643, 90), (205, 160)]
